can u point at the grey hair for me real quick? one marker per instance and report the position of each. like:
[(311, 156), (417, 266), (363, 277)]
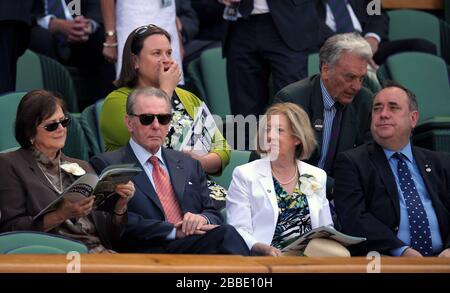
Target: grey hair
[(334, 46), (148, 92)]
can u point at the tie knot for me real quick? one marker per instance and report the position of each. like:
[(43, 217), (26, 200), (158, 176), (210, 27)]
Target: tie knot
[(398, 156), (154, 161), (338, 106)]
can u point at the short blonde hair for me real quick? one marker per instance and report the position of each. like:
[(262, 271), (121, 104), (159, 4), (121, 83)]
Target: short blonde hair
[(300, 125)]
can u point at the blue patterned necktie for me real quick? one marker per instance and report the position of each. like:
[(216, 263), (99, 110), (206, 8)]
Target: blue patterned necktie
[(341, 15), (419, 227)]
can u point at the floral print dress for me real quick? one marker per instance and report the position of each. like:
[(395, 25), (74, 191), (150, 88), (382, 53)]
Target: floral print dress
[(181, 121), (293, 218)]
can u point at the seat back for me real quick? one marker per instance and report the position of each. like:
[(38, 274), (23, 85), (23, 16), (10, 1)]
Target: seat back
[(213, 71), (237, 158), (28, 242), (313, 64), (426, 76), (29, 72), (410, 24), (8, 109), (90, 124), (77, 145)]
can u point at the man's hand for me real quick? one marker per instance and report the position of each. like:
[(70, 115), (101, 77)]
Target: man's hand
[(445, 253), (75, 30), (410, 252)]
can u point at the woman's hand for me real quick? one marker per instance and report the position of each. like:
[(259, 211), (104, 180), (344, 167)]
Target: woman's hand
[(169, 77), (126, 192), (70, 209), (211, 162), (110, 54), (264, 249)]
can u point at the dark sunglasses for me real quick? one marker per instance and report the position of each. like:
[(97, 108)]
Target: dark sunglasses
[(54, 125), (147, 119)]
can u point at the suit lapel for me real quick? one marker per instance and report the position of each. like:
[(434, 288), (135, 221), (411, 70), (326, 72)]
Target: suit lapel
[(266, 181), (348, 131), (384, 170), (141, 180), (427, 172), (27, 155), (177, 172), (317, 114)]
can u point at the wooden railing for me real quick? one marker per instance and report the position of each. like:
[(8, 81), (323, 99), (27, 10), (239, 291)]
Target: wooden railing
[(139, 263), (413, 4)]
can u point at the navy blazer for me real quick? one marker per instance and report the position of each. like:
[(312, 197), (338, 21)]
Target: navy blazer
[(147, 226), (367, 200)]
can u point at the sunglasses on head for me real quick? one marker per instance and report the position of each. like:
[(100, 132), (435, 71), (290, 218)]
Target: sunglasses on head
[(54, 125), (143, 29), (147, 119)]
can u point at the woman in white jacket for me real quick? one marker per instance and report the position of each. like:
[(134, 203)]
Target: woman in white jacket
[(273, 200)]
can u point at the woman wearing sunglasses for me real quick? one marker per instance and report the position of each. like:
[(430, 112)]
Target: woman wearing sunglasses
[(38, 172), (147, 62)]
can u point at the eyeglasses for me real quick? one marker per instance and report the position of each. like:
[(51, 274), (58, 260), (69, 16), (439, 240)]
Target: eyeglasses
[(147, 119), (54, 125)]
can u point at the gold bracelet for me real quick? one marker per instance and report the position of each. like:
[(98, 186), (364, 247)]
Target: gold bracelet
[(110, 45)]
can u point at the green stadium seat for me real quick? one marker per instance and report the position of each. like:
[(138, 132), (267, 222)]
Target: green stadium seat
[(27, 242), (90, 125), (426, 75), (8, 109), (408, 24), (237, 158), (35, 71)]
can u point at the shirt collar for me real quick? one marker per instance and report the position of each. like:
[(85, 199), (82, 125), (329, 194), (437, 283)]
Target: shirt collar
[(406, 151), (328, 101), (143, 155)]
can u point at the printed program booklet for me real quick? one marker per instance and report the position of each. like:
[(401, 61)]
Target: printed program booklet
[(298, 245), (102, 187)]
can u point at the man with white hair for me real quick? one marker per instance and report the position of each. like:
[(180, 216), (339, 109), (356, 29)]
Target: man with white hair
[(337, 104)]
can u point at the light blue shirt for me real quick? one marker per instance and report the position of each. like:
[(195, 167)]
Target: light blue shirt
[(143, 157), (328, 115), (403, 232)]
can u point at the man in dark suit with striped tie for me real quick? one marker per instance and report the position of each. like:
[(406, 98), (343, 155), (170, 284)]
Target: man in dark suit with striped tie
[(337, 104), (171, 211), (394, 194)]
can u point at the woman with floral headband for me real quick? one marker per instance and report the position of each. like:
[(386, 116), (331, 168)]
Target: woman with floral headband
[(38, 172), (147, 62), (273, 200)]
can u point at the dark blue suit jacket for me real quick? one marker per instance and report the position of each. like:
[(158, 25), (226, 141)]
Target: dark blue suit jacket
[(147, 227), (367, 200)]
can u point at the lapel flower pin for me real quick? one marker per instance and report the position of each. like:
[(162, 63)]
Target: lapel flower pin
[(73, 168)]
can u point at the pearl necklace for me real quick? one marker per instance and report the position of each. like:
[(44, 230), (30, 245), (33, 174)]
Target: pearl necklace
[(286, 182)]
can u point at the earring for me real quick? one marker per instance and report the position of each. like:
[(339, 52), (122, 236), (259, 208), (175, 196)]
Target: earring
[(32, 141)]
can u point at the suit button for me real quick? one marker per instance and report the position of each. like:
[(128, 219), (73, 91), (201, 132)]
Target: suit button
[(396, 228)]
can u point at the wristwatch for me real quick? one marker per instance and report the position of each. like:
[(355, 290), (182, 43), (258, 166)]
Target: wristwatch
[(110, 33)]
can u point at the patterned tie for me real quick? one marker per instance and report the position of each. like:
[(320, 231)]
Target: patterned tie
[(419, 227), (341, 15), (165, 192), (334, 137)]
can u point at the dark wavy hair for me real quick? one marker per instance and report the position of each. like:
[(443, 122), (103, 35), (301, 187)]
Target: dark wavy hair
[(133, 46), (35, 107)]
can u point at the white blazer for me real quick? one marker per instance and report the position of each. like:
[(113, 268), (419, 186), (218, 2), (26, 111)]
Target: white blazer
[(252, 206)]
